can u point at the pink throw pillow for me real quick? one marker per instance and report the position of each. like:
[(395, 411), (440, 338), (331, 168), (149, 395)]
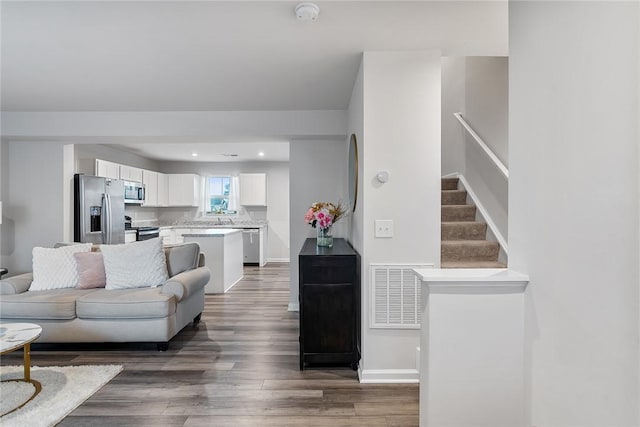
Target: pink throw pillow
[(90, 270)]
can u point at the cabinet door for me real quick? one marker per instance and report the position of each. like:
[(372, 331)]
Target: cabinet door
[(129, 173), (184, 189), (328, 318), (107, 169), (150, 181), (163, 189), (253, 189)]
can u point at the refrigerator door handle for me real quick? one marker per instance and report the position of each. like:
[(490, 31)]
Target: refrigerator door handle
[(107, 238)]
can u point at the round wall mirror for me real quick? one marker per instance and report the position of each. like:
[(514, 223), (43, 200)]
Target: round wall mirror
[(353, 171)]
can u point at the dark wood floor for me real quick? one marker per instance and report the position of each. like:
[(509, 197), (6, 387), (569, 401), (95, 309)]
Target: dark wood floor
[(239, 367)]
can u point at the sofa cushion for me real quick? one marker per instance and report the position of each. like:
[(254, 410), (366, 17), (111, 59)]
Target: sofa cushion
[(56, 268), (181, 257), (139, 303), (134, 265), (54, 304)]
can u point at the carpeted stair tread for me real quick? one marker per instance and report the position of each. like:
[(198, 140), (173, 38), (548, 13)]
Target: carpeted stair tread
[(463, 230), (468, 250), (463, 241), (453, 197), (472, 264), (449, 184), (450, 213)]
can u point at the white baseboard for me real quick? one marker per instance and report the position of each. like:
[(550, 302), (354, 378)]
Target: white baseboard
[(389, 376), (278, 260), (294, 306)]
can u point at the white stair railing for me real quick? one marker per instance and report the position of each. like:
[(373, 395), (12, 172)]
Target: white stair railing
[(501, 167)]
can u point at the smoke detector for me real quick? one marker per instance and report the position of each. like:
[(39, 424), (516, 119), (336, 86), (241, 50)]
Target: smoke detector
[(307, 11)]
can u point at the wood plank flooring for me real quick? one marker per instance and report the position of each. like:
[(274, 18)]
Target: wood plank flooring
[(239, 367)]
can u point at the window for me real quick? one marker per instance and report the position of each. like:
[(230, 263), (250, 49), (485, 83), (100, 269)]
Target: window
[(218, 196)]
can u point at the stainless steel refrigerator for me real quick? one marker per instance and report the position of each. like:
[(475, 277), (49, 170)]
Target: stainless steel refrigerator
[(98, 210)]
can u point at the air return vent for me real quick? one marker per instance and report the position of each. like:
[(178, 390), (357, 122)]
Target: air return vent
[(395, 303)]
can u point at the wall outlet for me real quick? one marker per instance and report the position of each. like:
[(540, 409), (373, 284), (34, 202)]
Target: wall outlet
[(384, 228)]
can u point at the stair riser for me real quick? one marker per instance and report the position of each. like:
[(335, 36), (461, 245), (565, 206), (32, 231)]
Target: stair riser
[(457, 197), (485, 252), (457, 213), (463, 231), (449, 183)]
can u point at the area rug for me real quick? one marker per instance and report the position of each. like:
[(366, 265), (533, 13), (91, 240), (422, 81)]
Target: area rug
[(63, 390)]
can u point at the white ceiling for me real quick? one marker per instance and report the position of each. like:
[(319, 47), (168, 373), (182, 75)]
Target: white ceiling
[(236, 151), (128, 56)]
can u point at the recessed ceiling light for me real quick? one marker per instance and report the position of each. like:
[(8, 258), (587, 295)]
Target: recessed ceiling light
[(194, 154), (261, 154)]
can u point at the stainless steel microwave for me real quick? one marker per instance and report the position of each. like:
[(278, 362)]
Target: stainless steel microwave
[(133, 192)]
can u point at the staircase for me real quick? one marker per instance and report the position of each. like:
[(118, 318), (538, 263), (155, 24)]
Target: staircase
[(464, 241)]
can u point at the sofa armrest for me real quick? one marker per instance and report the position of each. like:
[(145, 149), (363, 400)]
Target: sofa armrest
[(16, 284), (187, 283)]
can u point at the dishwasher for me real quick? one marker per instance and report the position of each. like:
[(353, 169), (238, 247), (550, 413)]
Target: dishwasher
[(251, 246)]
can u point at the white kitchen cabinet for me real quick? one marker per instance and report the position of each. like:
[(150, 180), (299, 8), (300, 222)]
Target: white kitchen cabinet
[(253, 189), (107, 169), (130, 236), (167, 235), (129, 173), (178, 234), (184, 189), (163, 189), (150, 181)]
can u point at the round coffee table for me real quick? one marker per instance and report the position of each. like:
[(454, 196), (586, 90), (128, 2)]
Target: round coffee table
[(14, 336)]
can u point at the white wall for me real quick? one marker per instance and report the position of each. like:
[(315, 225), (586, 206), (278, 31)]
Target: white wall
[(86, 153), (4, 191), (453, 101), (573, 217), (37, 192), (177, 126), (318, 173), (276, 212), (478, 87), (401, 134)]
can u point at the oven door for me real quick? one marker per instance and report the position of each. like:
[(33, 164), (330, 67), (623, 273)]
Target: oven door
[(147, 234)]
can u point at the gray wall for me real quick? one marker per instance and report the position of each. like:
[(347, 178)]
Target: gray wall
[(86, 153), (318, 173), (573, 225), (34, 209)]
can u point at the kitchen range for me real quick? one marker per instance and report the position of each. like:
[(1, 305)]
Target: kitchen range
[(142, 233)]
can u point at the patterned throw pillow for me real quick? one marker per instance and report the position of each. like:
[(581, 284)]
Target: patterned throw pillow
[(56, 268), (135, 265)]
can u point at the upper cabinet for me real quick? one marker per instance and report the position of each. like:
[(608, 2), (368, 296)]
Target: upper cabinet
[(150, 181), (184, 189), (253, 189), (163, 189), (107, 169), (129, 173)]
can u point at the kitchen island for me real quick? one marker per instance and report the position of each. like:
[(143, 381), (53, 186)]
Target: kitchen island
[(223, 254)]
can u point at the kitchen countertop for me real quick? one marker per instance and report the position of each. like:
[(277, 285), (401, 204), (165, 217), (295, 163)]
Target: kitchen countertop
[(213, 225), (212, 232)]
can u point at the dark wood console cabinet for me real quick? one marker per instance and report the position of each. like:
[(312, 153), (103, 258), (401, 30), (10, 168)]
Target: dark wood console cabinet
[(329, 296)]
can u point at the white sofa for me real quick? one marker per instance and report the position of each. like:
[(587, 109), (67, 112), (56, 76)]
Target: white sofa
[(108, 315)]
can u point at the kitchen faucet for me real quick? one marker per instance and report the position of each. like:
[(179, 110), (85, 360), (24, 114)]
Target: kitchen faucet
[(219, 221), (230, 221)]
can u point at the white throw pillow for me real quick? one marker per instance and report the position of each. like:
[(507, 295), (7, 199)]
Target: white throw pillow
[(56, 268), (134, 265)]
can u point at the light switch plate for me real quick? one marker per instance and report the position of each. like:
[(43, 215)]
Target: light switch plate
[(384, 228)]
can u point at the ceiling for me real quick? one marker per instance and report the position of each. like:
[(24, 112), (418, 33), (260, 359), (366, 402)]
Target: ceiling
[(236, 151), (188, 56)]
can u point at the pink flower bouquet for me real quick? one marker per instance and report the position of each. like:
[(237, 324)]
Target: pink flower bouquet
[(324, 214)]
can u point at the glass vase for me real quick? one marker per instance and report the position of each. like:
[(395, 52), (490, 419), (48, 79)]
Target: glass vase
[(324, 239)]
